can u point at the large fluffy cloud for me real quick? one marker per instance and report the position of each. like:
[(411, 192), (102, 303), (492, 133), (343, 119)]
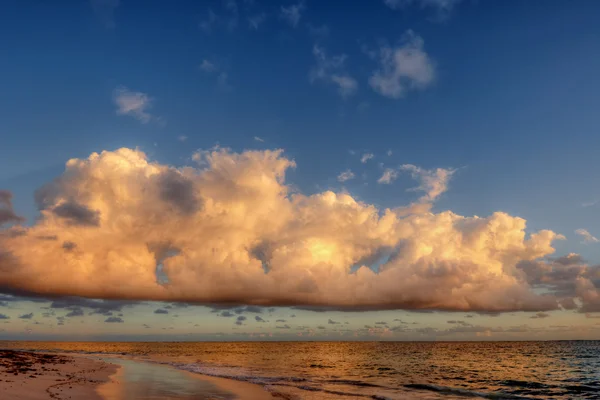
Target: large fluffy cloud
[(231, 231)]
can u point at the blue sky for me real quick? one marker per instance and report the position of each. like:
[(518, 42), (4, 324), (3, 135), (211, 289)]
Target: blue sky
[(504, 92)]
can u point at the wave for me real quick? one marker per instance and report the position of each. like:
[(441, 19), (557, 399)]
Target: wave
[(463, 392)]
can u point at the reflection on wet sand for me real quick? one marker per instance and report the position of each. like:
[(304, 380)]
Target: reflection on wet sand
[(144, 381)]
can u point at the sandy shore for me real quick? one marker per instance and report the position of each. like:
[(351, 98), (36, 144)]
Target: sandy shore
[(37, 376)]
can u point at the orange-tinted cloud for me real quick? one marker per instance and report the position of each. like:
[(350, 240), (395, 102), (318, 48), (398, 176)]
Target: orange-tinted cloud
[(231, 230)]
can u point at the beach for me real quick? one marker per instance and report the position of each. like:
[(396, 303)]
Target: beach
[(36, 376), (33, 376)]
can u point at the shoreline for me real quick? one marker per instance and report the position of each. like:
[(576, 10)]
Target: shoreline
[(29, 375), (32, 375)]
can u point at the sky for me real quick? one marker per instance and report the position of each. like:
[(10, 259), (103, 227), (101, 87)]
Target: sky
[(299, 170)]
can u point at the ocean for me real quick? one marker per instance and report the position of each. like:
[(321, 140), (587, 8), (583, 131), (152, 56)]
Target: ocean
[(375, 370)]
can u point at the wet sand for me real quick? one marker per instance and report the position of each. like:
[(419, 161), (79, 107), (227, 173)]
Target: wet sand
[(143, 380), (37, 376)]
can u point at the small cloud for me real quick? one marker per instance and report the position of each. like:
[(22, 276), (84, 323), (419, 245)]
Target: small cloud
[(381, 323), (321, 327), (389, 175), (161, 311), (133, 104), (281, 320), (182, 138), (208, 24), (240, 319), (318, 31), (292, 14), (293, 316), (259, 139), (589, 203), (403, 68), (443, 8), (345, 176), (226, 314), (256, 20), (113, 320), (26, 316), (540, 315), (75, 312), (259, 319), (283, 327), (366, 157), (389, 153), (332, 322), (586, 236), (433, 182), (331, 70), (223, 82), (146, 326), (207, 66)]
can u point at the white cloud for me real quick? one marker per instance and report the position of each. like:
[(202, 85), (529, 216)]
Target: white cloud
[(389, 175), (331, 70), (256, 20), (222, 76), (182, 138), (259, 139), (433, 182), (134, 104), (318, 31), (589, 203), (292, 13), (212, 229), (443, 8), (208, 66), (389, 153), (586, 236), (345, 176), (366, 157), (403, 68)]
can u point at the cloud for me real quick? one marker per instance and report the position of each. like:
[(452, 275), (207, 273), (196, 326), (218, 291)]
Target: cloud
[(3, 316), (540, 315), (259, 319), (75, 312), (133, 104), (332, 322), (389, 175), (589, 203), (112, 320), (366, 157), (331, 70), (240, 319), (283, 327), (403, 68), (433, 182), (182, 138), (105, 10), (7, 213), (255, 21), (586, 236), (222, 75), (26, 316), (318, 31), (258, 139), (292, 13), (217, 242), (443, 8), (208, 66), (76, 214), (345, 176), (281, 320), (226, 314), (161, 311)]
